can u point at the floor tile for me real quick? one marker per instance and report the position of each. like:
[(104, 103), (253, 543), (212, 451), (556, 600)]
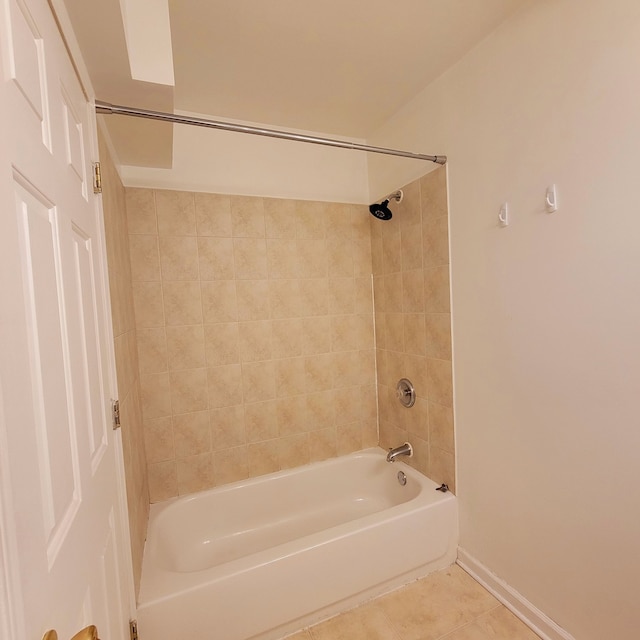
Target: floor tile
[(447, 605), (501, 623), (301, 635), (436, 605), (469, 632), (367, 622)]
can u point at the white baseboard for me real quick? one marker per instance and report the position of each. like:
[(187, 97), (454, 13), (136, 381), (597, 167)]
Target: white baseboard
[(537, 621)]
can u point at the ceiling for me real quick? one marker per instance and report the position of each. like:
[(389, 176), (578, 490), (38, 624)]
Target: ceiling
[(336, 67)]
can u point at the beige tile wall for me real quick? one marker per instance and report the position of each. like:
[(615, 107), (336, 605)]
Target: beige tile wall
[(126, 352), (255, 334), (410, 256)]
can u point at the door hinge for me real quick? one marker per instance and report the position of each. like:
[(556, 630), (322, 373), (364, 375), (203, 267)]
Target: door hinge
[(97, 178), (133, 629), (115, 410)]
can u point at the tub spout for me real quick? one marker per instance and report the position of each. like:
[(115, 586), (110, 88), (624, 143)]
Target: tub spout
[(404, 450)]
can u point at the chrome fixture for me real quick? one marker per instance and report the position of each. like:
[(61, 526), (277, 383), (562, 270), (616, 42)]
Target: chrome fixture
[(402, 478), (406, 393), (382, 210), (403, 450), (106, 108)]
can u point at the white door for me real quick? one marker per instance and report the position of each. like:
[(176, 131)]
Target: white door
[(61, 514)]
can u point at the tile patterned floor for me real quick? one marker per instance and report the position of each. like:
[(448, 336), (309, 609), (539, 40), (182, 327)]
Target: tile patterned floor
[(447, 605)]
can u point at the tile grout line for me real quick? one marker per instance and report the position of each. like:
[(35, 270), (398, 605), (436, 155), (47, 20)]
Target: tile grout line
[(396, 632)]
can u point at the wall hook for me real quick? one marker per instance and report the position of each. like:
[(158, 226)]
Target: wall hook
[(551, 199), (503, 216)]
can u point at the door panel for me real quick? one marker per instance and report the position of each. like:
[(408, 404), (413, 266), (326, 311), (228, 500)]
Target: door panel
[(90, 397), (26, 62), (66, 522), (50, 380)]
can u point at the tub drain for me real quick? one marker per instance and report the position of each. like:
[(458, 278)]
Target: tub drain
[(402, 479)]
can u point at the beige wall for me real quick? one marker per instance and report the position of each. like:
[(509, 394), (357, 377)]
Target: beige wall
[(410, 256), (124, 331), (546, 311), (255, 334)]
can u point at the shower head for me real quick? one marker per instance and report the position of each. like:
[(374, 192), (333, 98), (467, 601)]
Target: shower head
[(382, 211)]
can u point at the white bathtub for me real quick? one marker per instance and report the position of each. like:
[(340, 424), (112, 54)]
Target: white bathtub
[(264, 557)]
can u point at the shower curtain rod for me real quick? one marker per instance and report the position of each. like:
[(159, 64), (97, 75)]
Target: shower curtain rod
[(107, 108)]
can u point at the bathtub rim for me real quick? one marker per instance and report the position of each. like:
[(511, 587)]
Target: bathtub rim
[(158, 584), (157, 508)]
